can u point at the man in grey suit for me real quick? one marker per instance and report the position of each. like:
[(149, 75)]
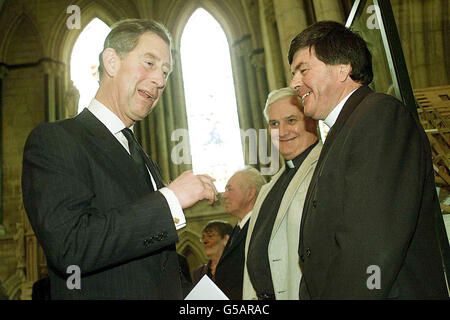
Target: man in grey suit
[(95, 200), (368, 227), (272, 269)]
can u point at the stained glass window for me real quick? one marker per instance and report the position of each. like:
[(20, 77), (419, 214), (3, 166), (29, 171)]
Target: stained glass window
[(210, 99), (84, 60)]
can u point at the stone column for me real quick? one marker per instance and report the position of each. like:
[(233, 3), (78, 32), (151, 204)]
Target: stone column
[(274, 59), (291, 20), (70, 101), (59, 91), (328, 10), (3, 74), (259, 63), (53, 84), (240, 83)]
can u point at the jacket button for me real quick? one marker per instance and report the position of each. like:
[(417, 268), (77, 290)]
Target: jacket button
[(148, 242), (302, 257), (308, 252), (314, 203)]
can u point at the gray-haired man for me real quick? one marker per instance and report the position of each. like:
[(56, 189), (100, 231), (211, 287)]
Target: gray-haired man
[(94, 198)]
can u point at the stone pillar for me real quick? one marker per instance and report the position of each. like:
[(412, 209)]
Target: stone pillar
[(274, 60), (328, 10), (59, 91), (70, 101), (259, 63), (240, 83), (53, 87), (291, 20), (3, 74)]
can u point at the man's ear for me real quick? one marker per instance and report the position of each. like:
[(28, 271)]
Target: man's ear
[(344, 72), (111, 62), (252, 193)]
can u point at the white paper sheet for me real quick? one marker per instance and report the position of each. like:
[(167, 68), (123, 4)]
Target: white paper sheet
[(206, 289)]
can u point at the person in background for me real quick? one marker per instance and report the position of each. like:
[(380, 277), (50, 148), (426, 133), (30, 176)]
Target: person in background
[(214, 237), (272, 269), (240, 195)]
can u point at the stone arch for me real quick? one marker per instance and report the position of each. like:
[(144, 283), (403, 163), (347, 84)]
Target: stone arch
[(12, 286), (62, 40), (18, 22), (192, 249), (227, 13)]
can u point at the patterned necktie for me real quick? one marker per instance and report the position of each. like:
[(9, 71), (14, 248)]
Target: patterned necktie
[(137, 154)]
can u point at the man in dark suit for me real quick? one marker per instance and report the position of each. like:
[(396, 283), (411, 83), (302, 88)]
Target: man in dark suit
[(368, 227), (95, 200), (240, 195)]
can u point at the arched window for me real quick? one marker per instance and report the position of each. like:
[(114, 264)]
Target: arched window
[(84, 60), (210, 99)]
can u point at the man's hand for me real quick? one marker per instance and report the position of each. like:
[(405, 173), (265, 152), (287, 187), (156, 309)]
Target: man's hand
[(190, 188)]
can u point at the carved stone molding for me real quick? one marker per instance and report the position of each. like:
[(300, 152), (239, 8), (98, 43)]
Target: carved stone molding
[(269, 11), (71, 99), (258, 58), (243, 46), (52, 67), (3, 71)]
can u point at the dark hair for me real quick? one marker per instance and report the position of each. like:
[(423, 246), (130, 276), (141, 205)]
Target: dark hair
[(336, 44), (221, 227), (124, 36)]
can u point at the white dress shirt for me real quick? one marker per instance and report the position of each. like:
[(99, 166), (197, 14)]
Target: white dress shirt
[(332, 117), (115, 126), (243, 221)]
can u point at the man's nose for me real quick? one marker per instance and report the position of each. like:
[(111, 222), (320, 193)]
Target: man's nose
[(158, 78), (296, 82), (283, 129)]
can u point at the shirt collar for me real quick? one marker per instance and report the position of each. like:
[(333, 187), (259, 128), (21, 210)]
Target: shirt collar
[(332, 117), (298, 160), (106, 116), (244, 220)]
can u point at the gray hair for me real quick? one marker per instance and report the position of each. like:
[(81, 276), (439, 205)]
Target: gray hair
[(276, 95), (124, 36), (252, 178)]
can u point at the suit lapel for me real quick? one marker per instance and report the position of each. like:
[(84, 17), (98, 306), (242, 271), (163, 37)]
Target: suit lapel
[(262, 196), (293, 186), (238, 238), (352, 103), (108, 152)]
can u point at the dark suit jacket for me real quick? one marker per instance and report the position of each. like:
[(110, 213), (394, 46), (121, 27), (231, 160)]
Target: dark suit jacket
[(89, 207), (372, 201), (229, 275)]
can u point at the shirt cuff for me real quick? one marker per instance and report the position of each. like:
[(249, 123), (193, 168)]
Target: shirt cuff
[(175, 208)]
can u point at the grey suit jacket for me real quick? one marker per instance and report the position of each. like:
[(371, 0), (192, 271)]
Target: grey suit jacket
[(283, 244), (89, 207)]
